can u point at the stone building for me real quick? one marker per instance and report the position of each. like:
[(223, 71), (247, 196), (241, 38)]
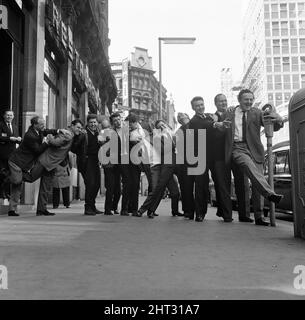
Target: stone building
[(138, 88), (54, 62)]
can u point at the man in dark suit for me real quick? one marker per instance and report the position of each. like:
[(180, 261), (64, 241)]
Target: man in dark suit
[(23, 158), (243, 146), (92, 168), (221, 171), (9, 138), (56, 153), (199, 201)]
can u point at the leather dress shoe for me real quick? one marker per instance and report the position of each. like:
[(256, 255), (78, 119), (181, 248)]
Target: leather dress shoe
[(108, 213), (188, 216), (177, 214), (89, 212), (227, 219), (98, 211), (276, 198), (261, 222), (150, 215), (55, 207), (116, 212), (218, 214), (12, 213), (44, 213), (124, 213), (199, 219), (155, 214), (136, 214), (245, 219)]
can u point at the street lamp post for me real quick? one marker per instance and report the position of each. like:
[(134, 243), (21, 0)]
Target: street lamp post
[(171, 40)]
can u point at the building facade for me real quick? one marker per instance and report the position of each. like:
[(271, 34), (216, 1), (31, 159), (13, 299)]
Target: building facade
[(227, 85), (54, 62), (138, 88), (274, 50)]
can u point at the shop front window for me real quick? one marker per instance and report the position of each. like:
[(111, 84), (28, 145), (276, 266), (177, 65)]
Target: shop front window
[(49, 94)]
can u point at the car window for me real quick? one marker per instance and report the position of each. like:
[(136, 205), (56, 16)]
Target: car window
[(281, 162), (266, 169)]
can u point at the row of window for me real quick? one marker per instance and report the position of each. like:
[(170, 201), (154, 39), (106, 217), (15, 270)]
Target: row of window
[(285, 46), (286, 64), (285, 28), (277, 99), (282, 10), (286, 82)]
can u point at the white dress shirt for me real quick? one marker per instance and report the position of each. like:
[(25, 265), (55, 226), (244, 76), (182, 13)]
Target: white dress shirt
[(238, 134)]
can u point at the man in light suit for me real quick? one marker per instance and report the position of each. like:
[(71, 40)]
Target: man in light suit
[(59, 146), (244, 148)]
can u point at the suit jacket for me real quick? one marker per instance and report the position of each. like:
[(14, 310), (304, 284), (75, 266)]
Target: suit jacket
[(254, 124), (59, 146), (218, 138), (7, 147), (30, 148), (197, 123), (79, 147)]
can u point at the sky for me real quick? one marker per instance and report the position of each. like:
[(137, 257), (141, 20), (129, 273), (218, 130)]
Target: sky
[(187, 70)]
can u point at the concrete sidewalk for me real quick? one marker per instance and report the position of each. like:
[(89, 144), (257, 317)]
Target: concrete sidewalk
[(72, 256)]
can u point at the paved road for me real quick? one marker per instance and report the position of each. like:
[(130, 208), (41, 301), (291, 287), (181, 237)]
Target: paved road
[(72, 256)]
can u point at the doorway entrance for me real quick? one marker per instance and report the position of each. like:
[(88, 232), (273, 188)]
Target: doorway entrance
[(5, 71)]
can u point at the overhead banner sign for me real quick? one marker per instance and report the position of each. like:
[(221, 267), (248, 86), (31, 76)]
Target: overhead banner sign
[(3, 17), (125, 83)]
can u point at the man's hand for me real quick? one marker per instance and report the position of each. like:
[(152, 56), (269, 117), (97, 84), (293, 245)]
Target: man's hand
[(15, 139)]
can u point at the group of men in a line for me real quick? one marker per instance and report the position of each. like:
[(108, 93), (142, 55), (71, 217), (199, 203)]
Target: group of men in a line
[(232, 142)]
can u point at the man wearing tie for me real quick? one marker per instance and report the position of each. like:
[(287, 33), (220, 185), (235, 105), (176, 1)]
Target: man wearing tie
[(243, 146), (9, 137)]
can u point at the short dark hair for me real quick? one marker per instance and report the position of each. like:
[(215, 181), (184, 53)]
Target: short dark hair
[(114, 115), (76, 121), (7, 110), (91, 116), (197, 98), (132, 118), (158, 121), (34, 120), (244, 91), (217, 96)]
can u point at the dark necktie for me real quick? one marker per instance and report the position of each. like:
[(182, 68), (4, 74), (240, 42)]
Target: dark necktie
[(10, 128), (244, 125)]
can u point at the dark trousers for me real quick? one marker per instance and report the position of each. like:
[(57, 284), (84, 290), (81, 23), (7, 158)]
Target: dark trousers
[(113, 176), (161, 175), (174, 193), (221, 175), (113, 188), (4, 182), (45, 187), (242, 191), (147, 170), (181, 172), (65, 196), (133, 188), (199, 202), (92, 180)]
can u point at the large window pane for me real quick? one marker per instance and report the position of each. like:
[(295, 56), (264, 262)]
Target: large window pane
[(287, 84), (275, 29)]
